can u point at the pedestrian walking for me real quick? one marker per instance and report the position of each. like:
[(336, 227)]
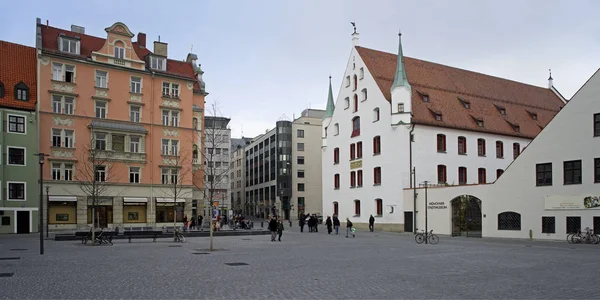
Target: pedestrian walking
[(193, 223), (329, 224), (371, 223), (273, 228), (280, 229), (301, 222), (185, 223), (336, 224), (200, 220), (349, 228)]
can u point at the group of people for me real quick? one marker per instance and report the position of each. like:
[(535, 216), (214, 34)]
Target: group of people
[(192, 224), (276, 228), (311, 220)]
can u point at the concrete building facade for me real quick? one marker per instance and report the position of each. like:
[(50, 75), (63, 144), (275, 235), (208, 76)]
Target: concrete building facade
[(237, 176), (217, 166)]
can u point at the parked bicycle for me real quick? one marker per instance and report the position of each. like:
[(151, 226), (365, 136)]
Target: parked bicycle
[(178, 236), (588, 237), (104, 237), (429, 236)]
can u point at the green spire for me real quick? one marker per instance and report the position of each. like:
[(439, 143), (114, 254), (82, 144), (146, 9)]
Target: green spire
[(400, 79), (330, 104)]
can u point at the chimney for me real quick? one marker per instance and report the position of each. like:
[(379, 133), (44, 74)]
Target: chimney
[(550, 80), (160, 48), (78, 29), (141, 40)]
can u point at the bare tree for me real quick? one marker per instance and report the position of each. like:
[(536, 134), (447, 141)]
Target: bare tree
[(95, 173), (216, 163)]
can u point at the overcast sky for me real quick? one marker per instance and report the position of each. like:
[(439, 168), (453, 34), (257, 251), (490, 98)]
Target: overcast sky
[(264, 60)]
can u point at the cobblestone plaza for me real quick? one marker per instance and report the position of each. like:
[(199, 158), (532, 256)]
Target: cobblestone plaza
[(309, 265)]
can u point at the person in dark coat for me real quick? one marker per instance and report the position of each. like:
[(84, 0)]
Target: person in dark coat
[(316, 223), (273, 228), (279, 229), (329, 224), (349, 228), (301, 222), (371, 223), (336, 224), (193, 223)]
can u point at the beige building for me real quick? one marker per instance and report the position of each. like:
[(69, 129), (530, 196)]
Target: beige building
[(307, 177), (238, 175)]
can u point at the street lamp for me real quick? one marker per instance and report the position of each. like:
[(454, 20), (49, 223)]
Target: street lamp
[(426, 184), (41, 157), (47, 209)]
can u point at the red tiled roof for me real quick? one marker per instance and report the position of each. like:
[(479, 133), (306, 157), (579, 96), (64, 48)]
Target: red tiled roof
[(445, 85), (90, 43), (18, 63)]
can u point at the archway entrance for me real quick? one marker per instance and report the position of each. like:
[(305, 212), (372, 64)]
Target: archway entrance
[(466, 216)]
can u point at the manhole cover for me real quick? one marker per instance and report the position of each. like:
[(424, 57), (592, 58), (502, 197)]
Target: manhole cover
[(9, 258), (196, 253), (7, 274), (174, 246), (18, 249), (236, 264)]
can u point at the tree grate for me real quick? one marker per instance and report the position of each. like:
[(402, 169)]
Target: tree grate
[(196, 253), (237, 264), (9, 258), (18, 249), (7, 274)]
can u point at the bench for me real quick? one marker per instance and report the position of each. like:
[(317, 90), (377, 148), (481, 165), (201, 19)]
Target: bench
[(85, 235), (142, 234)]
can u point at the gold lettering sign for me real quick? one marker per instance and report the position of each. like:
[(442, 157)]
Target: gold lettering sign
[(355, 164)]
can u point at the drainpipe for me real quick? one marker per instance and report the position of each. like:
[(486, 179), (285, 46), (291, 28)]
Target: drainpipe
[(413, 174)]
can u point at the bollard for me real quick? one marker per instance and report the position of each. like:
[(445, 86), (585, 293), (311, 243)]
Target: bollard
[(262, 224), (290, 223), (531, 234)]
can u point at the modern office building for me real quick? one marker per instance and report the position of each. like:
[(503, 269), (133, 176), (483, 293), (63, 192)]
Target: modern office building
[(217, 143), (237, 176)]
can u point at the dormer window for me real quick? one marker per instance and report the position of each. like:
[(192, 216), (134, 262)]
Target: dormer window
[(515, 127), (501, 109), (478, 121), (68, 45), (21, 92), (533, 115), (466, 104), (119, 52), (438, 117), (400, 107), (158, 63), (424, 97)]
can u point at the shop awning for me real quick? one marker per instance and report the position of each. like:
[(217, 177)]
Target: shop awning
[(168, 200), (133, 199), (63, 198)]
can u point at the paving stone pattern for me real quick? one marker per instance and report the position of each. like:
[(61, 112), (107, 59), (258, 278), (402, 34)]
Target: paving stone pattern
[(304, 266)]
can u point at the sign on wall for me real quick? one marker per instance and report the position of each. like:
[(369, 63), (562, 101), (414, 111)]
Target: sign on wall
[(572, 202), (437, 205), (355, 164)]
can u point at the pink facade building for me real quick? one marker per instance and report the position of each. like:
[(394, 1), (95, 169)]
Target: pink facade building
[(123, 127)]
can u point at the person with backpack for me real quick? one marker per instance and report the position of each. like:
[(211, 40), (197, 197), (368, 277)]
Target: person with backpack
[(336, 224), (349, 229)]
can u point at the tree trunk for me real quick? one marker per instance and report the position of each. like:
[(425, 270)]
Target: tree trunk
[(174, 220), (93, 225), (210, 247)]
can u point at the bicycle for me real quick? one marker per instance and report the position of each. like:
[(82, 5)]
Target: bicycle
[(589, 237), (430, 236), (178, 236)]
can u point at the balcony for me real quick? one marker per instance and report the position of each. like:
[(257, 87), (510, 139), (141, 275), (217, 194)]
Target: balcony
[(121, 156)]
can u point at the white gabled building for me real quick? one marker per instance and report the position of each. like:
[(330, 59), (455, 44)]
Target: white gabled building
[(550, 190), (466, 128)]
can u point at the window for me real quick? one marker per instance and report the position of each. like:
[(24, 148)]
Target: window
[(170, 147), (441, 143), (16, 156), (438, 116), (119, 52), (134, 174), (501, 110), (376, 145), (572, 172), (355, 126), (300, 160), (441, 172), (60, 102), (170, 118), (336, 129), (355, 103), (62, 72), (5, 221), (300, 174), (479, 122), (335, 208), (355, 82), (174, 147), (377, 176), (597, 124), (101, 79), (300, 146), (135, 113), (359, 150), (100, 141), (165, 118), (400, 107), (379, 207), (336, 181), (573, 224), (361, 73), (466, 104), (16, 190), (548, 225), (509, 220), (357, 207), (336, 156), (462, 145), (69, 45), (376, 114), (353, 179), (300, 133), (100, 172), (364, 94), (136, 85), (158, 63), (170, 90), (352, 151), (56, 138), (347, 81), (481, 174), (174, 118), (516, 150), (597, 170), (424, 97), (543, 174), (101, 109), (134, 144), (481, 147), (346, 103), (300, 187), (68, 174), (170, 176), (499, 173), (21, 91), (499, 149), (56, 168), (16, 124), (195, 123), (462, 175)]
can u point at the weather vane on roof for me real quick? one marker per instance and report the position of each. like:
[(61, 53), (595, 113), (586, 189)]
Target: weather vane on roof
[(353, 25)]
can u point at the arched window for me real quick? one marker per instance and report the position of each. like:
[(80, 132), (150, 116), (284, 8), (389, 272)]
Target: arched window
[(376, 114), (364, 94), (336, 208), (355, 103), (119, 50), (195, 151), (1, 89), (441, 143), (195, 123), (21, 91), (355, 126), (462, 145), (462, 175), (509, 220), (481, 147), (336, 129), (355, 82), (441, 170), (499, 149), (379, 207), (357, 207)]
